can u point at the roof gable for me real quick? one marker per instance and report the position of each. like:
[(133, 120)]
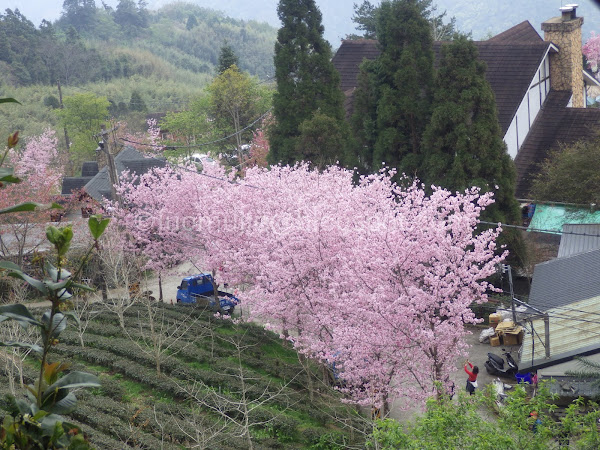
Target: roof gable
[(89, 168), (563, 281), (127, 159), (348, 58), (510, 70), (70, 184), (555, 124), (512, 62), (519, 34)]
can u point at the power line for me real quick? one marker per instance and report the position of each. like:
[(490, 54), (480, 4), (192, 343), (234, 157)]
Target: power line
[(538, 230), (152, 103), (204, 144), (187, 169)]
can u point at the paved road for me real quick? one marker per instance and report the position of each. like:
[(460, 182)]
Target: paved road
[(477, 355)]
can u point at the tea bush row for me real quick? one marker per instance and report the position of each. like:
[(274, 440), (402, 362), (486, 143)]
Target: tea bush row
[(147, 417), (223, 374), (113, 426), (115, 361)]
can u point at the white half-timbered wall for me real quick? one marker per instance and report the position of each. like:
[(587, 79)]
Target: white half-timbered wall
[(529, 108)]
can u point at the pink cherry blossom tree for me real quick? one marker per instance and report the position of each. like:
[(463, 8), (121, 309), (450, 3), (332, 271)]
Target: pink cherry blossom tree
[(259, 148), (591, 50), (148, 142), (162, 212), (37, 165), (374, 277), (369, 275)]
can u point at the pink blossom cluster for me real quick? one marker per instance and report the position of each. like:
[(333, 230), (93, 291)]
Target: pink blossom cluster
[(38, 167), (373, 277), (38, 161), (259, 148), (591, 50), (148, 142)]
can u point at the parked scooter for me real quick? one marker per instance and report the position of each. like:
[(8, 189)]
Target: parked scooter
[(500, 388), (495, 365)]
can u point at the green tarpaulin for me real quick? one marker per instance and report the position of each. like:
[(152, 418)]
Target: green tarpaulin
[(553, 217)]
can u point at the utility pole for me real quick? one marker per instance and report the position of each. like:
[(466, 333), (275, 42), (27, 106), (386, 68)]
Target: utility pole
[(60, 102), (507, 268), (104, 146), (67, 142)]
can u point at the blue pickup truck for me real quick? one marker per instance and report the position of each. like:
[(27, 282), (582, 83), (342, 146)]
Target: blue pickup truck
[(200, 290)]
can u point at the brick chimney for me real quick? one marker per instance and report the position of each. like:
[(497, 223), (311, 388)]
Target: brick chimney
[(566, 72)]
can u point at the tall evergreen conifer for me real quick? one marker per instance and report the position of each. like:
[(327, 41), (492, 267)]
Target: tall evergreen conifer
[(462, 145), (306, 80), (393, 102), (227, 58)]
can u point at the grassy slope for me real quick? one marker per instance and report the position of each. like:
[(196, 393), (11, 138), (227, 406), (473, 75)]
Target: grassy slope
[(137, 407)]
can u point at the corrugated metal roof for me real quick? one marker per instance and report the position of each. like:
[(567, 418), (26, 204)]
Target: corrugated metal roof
[(563, 281), (572, 327), (586, 237)]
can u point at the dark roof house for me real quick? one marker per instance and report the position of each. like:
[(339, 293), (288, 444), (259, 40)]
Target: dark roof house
[(89, 169), (539, 85), (98, 186), (71, 184)]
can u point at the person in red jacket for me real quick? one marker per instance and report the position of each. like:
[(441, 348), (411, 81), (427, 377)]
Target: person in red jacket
[(472, 380)]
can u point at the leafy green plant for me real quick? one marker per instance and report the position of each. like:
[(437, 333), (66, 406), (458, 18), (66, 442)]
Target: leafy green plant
[(36, 422), (461, 424)]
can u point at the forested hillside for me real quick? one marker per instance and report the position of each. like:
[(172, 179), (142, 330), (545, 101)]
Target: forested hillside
[(165, 56), (92, 44), (479, 17)]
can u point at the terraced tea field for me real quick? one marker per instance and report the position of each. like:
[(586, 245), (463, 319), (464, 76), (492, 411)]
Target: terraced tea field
[(212, 384)]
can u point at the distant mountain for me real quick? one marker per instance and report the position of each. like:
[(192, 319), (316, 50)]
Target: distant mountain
[(481, 17), (337, 14), (175, 41), (489, 17)]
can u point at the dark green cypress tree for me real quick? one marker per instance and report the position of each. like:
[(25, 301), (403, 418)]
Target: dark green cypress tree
[(462, 145), (306, 80), (191, 23), (227, 58), (364, 118), (395, 95), (136, 103)]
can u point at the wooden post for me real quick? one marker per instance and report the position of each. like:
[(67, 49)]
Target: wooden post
[(547, 334), (112, 169)]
